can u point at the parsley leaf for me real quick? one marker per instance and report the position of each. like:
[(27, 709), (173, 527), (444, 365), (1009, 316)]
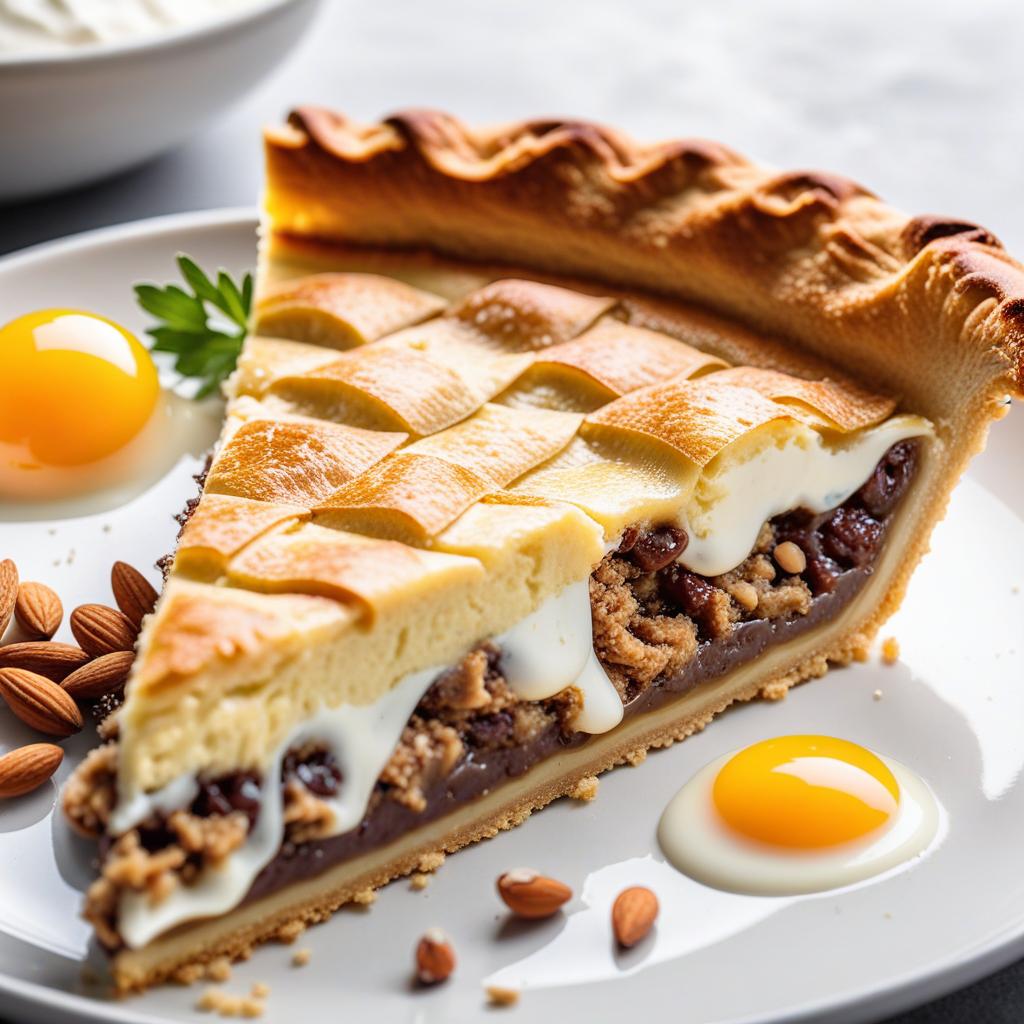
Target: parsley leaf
[(206, 349)]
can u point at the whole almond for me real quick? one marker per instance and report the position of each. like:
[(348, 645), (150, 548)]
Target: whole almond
[(8, 592), (133, 593), (48, 658), (100, 629), (27, 768), (435, 957), (100, 676), (38, 610), (40, 703), (529, 894), (633, 914)]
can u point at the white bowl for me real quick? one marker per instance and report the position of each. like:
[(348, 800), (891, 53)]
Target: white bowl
[(70, 118)]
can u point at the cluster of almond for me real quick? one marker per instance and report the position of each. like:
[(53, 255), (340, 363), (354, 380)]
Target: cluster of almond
[(531, 895), (43, 681)]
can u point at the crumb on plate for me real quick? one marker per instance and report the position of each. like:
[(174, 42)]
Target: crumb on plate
[(585, 789), (890, 650), (499, 996)]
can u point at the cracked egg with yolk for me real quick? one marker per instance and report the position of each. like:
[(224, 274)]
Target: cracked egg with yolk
[(797, 814), (78, 394)]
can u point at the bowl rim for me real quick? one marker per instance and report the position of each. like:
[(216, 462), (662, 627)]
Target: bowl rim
[(93, 53)]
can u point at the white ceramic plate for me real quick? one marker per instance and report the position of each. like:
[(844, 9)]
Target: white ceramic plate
[(951, 709)]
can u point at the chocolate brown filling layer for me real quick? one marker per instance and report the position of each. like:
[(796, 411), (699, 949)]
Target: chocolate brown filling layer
[(659, 630), (841, 547), (480, 772)]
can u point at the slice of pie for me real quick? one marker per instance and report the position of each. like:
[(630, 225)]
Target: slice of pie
[(545, 449)]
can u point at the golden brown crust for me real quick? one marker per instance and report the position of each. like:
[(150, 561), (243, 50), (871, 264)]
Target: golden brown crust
[(803, 273), (808, 256)]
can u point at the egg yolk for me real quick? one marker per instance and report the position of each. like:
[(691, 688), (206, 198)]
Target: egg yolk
[(74, 389), (805, 792)]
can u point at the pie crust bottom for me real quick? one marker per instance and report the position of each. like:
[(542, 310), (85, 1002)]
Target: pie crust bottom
[(279, 914)]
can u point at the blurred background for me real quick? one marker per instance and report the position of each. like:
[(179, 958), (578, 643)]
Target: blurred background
[(920, 101)]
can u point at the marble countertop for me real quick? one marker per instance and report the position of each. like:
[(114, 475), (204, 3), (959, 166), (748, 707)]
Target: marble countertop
[(917, 99)]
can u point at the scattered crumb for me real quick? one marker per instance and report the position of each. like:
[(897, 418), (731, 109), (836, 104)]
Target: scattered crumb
[(301, 957), (498, 996), (225, 1005), (428, 864), (775, 691), (365, 897), (890, 650), (585, 789), (431, 861), (188, 974), (71, 557), (56, 561), (52, 531), (289, 932), (219, 969), (1015, 589), (107, 527), (210, 1000), (260, 990), (877, 695), (887, 915), (636, 757)]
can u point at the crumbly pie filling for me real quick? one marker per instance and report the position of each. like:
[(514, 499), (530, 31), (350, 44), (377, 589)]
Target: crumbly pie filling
[(659, 630)]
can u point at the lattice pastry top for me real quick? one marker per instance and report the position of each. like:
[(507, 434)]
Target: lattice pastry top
[(397, 465)]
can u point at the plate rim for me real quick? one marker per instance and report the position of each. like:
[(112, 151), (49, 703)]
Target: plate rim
[(919, 986)]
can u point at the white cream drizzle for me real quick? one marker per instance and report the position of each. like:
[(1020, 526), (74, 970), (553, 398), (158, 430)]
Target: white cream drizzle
[(553, 648), (549, 650), (361, 738), (728, 509)]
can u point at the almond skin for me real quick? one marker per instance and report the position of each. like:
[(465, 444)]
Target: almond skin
[(100, 676), (27, 768), (53, 660), (633, 914), (529, 894), (133, 593), (8, 592), (38, 610), (39, 703), (435, 958), (100, 629)]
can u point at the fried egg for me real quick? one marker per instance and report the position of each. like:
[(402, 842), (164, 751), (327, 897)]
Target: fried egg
[(797, 814), (77, 394)]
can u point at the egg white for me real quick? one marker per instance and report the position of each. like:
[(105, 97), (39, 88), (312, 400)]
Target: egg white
[(177, 427), (699, 843)]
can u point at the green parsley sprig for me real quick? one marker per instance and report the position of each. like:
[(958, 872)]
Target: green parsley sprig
[(205, 348)]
